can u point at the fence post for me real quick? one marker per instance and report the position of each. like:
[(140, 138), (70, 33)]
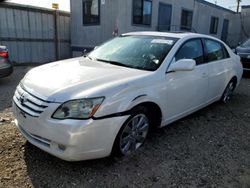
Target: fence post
[(56, 35)]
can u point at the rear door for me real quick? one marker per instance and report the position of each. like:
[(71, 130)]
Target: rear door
[(217, 58)]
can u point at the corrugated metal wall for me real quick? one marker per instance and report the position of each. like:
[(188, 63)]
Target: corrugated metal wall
[(31, 35)]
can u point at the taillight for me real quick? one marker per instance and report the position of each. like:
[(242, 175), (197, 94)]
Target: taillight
[(4, 54)]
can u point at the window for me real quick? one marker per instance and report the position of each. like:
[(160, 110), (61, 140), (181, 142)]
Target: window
[(214, 25), (91, 12), (186, 20), (215, 51), (138, 52), (225, 52), (142, 12), (191, 50)]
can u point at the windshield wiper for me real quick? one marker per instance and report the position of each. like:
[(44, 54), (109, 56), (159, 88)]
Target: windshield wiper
[(114, 63), (88, 57), (124, 65)]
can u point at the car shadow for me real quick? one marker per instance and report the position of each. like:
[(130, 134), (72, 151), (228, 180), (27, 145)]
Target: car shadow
[(45, 170)]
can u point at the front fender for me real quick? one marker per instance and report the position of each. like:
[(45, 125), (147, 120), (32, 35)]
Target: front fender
[(122, 105)]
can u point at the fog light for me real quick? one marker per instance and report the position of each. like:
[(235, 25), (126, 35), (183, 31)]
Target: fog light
[(61, 147)]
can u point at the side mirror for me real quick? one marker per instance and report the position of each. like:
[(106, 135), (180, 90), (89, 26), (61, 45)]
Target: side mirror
[(182, 65), (239, 43)]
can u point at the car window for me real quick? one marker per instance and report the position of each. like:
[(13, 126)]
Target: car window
[(191, 50), (214, 51), (138, 51), (226, 54)]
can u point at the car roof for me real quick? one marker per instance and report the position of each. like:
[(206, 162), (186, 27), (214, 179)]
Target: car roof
[(168, 34)]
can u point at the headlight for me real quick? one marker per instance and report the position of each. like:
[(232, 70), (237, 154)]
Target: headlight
[(78, 109)]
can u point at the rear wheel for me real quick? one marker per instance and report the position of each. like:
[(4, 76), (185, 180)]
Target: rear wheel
[(133, 133), (227, 95)]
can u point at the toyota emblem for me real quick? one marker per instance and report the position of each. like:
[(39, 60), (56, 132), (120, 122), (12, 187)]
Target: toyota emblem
[(23, 98)]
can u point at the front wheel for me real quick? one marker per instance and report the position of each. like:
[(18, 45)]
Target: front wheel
[(133, 133), (227, 95)]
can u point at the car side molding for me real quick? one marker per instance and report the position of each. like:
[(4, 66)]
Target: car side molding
[(118, 114)]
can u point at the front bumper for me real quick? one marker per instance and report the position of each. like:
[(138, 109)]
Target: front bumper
[(71, 140), (245, 63), (245, 60)]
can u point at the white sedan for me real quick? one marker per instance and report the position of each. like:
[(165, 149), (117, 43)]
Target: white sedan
[(105, 103)]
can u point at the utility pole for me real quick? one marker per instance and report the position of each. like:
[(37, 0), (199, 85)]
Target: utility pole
[(238, 5), (56, 33)]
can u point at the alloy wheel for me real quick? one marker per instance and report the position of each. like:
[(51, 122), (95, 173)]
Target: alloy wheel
[(134, 134), (228, 92)]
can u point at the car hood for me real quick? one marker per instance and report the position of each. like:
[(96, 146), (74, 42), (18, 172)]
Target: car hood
[(76, 78)]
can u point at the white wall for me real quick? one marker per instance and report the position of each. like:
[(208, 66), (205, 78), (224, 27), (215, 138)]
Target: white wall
[(90, 36), (120, 11)]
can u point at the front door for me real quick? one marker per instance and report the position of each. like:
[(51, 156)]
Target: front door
[(164, 17), (186, 91)]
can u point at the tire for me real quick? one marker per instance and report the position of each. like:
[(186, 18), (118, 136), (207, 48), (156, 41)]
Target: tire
[(228, 92), (133, 133)]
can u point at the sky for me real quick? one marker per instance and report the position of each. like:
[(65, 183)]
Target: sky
[(65, 4), (230, 4)]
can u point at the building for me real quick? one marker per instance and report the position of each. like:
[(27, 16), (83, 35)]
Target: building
[(95, 21), (240, 26)]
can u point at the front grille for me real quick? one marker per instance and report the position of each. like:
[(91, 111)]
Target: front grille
[(29, 103)]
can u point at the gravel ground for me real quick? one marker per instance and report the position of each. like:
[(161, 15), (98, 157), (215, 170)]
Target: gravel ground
[(210, 148)]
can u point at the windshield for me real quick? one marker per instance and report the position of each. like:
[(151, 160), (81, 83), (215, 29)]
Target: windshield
[(140, 52), (246, 43)]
